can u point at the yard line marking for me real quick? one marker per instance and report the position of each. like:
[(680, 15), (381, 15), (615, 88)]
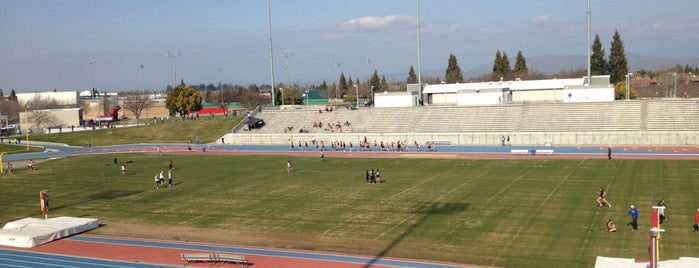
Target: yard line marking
[(438, 199), (594, 217), (485, 204), (519, 230)]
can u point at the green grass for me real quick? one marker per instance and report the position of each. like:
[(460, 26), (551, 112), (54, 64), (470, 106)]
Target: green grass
[(18, 148), (208, 130), (510, 213)]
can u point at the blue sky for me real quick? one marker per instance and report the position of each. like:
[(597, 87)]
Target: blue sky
[(46, 45)]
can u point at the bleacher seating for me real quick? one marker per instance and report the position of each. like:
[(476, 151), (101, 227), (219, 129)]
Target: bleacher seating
[(635, 115)]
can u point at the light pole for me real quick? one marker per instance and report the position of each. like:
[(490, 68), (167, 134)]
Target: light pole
[(372, 96), (174, 54), (27, 106), (307, 97), (674, 90), (92, 82), (220, 88), (356, 92), (281, 89), (337, 94), (628, 87)]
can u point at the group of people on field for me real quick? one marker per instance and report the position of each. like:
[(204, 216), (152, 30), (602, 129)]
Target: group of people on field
[(633, 213), (373, 176), (31, 166)]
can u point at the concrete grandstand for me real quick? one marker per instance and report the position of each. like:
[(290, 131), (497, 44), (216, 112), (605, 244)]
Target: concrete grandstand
[(636, 122)]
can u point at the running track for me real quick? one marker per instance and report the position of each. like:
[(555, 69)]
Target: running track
[(95, 251)]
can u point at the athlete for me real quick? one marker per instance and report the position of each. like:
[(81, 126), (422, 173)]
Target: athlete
[(602, 198)]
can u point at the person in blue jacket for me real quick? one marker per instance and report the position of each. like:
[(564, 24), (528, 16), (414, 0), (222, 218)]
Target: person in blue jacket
[(633, 212)]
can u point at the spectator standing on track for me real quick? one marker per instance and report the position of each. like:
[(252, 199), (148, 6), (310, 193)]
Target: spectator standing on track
[(633, 212), (609, 153)]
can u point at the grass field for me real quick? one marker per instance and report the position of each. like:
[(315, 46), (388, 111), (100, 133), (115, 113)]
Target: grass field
[(501, 212), (175, 131)]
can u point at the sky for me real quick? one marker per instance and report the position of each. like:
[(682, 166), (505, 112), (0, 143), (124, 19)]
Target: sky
[(46, 45)]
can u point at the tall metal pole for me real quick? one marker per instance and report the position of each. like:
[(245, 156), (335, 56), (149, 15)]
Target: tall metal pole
[(674, 91), (271, 56), (419, 53), (92, 82), (589, 46), (143, 75), (174, 54), (356, 88)]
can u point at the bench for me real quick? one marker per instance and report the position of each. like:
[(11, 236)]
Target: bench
[(543, 152), (519, 152), (198, 257), (229, 258), (439, 142), (214, 258)]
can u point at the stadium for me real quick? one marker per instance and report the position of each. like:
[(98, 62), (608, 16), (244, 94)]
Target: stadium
[(506, 185)]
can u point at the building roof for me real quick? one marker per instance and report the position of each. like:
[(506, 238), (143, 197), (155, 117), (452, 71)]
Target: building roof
[(512, 85)]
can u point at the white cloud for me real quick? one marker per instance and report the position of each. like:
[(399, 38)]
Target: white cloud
[(542, 19), (376, 22)]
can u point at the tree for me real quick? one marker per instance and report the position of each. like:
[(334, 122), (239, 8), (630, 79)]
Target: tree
[(42, 119), (453, 73), (13, 96), (375, 82), (343, 85), (136, 101), (501, 65), (598, 64), (520, 64), (618, 66), (620, 91), (183, 99), (412, 78)]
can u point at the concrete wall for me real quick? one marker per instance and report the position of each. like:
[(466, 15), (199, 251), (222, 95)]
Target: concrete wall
[(641, 138)]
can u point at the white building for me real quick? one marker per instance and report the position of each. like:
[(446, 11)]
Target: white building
[(518, 91)]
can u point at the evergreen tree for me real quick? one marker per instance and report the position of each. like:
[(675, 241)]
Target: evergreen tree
[(598, 64), (412, 78), (453, 73), (343, 84), (497, 62), (505, 68), (384, 84), (618, 66), (375, 82), (521, 64), (13, 96)]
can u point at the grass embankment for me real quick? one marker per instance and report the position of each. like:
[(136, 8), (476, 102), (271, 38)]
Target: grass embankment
[(511, 213), (175, 131)]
